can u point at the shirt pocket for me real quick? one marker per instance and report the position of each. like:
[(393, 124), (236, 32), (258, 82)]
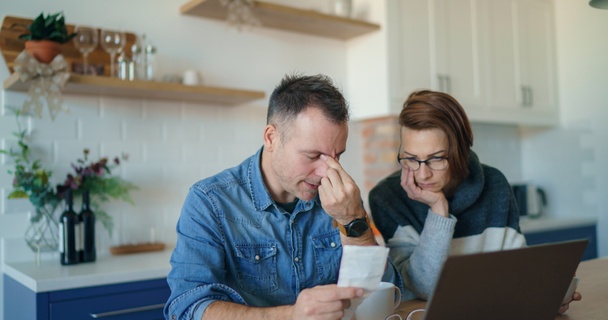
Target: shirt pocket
[(257, 267), (328, 251)]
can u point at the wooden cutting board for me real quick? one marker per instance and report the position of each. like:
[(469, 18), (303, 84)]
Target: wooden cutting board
[(135, 248)]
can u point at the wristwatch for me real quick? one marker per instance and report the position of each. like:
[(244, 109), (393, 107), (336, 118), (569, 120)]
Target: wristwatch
[(355, 228)]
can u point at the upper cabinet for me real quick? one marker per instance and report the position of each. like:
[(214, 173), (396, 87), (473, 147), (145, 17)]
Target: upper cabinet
[(287, 18), (457, 66), (522, 74), (496, 57)]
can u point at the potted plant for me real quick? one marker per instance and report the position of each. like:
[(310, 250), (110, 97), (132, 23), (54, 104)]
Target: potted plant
[(45, 36), (31, 180)]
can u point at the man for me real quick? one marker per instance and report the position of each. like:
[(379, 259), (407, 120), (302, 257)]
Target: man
[(258, 241)]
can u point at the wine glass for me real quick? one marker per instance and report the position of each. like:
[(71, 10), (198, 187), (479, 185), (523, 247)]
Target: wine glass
[(112, 42), (85, 41)]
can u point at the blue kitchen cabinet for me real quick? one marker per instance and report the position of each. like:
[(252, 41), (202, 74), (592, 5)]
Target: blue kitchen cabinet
[(131, 300), (588, 232)]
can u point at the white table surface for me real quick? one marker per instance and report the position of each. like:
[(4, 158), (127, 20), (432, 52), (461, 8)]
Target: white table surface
[(112, 269)]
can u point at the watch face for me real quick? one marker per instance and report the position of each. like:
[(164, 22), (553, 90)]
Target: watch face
[(357, 228)]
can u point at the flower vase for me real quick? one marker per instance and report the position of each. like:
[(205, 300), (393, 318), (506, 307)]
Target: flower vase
[(42, 233)]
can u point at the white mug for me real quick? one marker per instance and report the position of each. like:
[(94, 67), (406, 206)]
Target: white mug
[(191, 78), (380, 304)]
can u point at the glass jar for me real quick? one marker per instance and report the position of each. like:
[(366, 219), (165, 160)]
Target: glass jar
[(150, 62)]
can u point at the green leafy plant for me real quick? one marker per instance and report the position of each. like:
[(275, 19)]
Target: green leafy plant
[(32, 181), (52, 27), (97, 178)]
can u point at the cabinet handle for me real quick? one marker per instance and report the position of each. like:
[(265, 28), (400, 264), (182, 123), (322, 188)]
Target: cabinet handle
[(530, 96), (126, 311), (524, 96), (448, 84), (441, 83)]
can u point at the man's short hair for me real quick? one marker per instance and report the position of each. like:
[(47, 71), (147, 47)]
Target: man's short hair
[(297, 92)]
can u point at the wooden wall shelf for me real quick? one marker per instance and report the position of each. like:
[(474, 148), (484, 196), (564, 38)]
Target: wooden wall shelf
[(10, 47), (287, 18), (93, 85)]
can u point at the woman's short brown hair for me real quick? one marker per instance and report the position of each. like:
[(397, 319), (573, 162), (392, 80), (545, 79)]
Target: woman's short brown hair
[(427, 109)]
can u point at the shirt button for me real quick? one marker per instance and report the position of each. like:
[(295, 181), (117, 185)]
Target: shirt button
[(257, 258), (297, 259), (333, 244)]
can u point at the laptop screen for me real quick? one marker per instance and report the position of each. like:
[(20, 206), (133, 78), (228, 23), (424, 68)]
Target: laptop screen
[(523, 284)]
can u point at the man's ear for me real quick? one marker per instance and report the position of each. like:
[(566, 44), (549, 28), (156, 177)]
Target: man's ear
[(271, 137)]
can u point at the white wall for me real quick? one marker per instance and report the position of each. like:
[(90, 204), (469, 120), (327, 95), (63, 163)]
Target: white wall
[(571, 161), (171, 144)]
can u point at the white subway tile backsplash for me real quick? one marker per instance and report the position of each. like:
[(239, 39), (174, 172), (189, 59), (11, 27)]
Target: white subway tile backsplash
[(16, 249), (120, 108), (8, 126), (233, 155), (181, 173), (197, 113), (9, 144), (143, 130), (162, 152), (181, 132), (14, 99), (143, 175), (68, 152), (13, 206), (143, 225), (64, 130), (160, 110), (13, 225), (6, 179), (133, 150), (81, 107), (94, 129)]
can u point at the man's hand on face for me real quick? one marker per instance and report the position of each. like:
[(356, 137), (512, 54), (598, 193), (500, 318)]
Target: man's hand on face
[(340, 196)]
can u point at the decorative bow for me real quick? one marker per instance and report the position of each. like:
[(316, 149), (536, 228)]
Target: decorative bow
[(240, 13), (47, 80)]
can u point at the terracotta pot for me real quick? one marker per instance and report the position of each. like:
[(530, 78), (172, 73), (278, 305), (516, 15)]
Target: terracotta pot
[(43, 50)]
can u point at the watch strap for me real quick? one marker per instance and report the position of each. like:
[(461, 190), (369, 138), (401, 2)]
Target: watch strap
[(342, 228)]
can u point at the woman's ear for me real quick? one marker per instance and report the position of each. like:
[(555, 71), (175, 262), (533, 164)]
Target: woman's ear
[(270, 137)]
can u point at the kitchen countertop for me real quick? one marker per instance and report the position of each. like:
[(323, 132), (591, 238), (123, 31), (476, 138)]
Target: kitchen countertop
[(50, 275), (545, 223)]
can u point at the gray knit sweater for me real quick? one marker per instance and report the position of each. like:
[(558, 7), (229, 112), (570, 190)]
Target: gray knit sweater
[(483, 217)]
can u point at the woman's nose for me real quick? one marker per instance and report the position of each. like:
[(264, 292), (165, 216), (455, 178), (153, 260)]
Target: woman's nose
[(424, 172)]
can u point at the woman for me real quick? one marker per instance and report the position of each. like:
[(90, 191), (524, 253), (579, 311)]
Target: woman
[(443, 201)]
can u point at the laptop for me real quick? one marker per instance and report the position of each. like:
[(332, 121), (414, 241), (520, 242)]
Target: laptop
[(522, 284)]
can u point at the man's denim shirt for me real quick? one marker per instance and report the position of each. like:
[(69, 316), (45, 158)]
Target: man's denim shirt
[(235, 244)]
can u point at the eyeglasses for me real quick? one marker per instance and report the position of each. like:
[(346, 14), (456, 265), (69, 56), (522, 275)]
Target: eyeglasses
[(435, 163)]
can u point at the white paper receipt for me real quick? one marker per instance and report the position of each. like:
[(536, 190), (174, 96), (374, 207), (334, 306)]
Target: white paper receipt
[(362, 266)]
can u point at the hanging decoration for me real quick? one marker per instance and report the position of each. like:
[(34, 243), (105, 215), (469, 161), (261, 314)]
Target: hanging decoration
[(47, 80), (240, 13)]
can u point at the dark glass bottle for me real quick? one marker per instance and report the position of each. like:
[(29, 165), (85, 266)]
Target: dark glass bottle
[(68, 225), (87, 224)]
